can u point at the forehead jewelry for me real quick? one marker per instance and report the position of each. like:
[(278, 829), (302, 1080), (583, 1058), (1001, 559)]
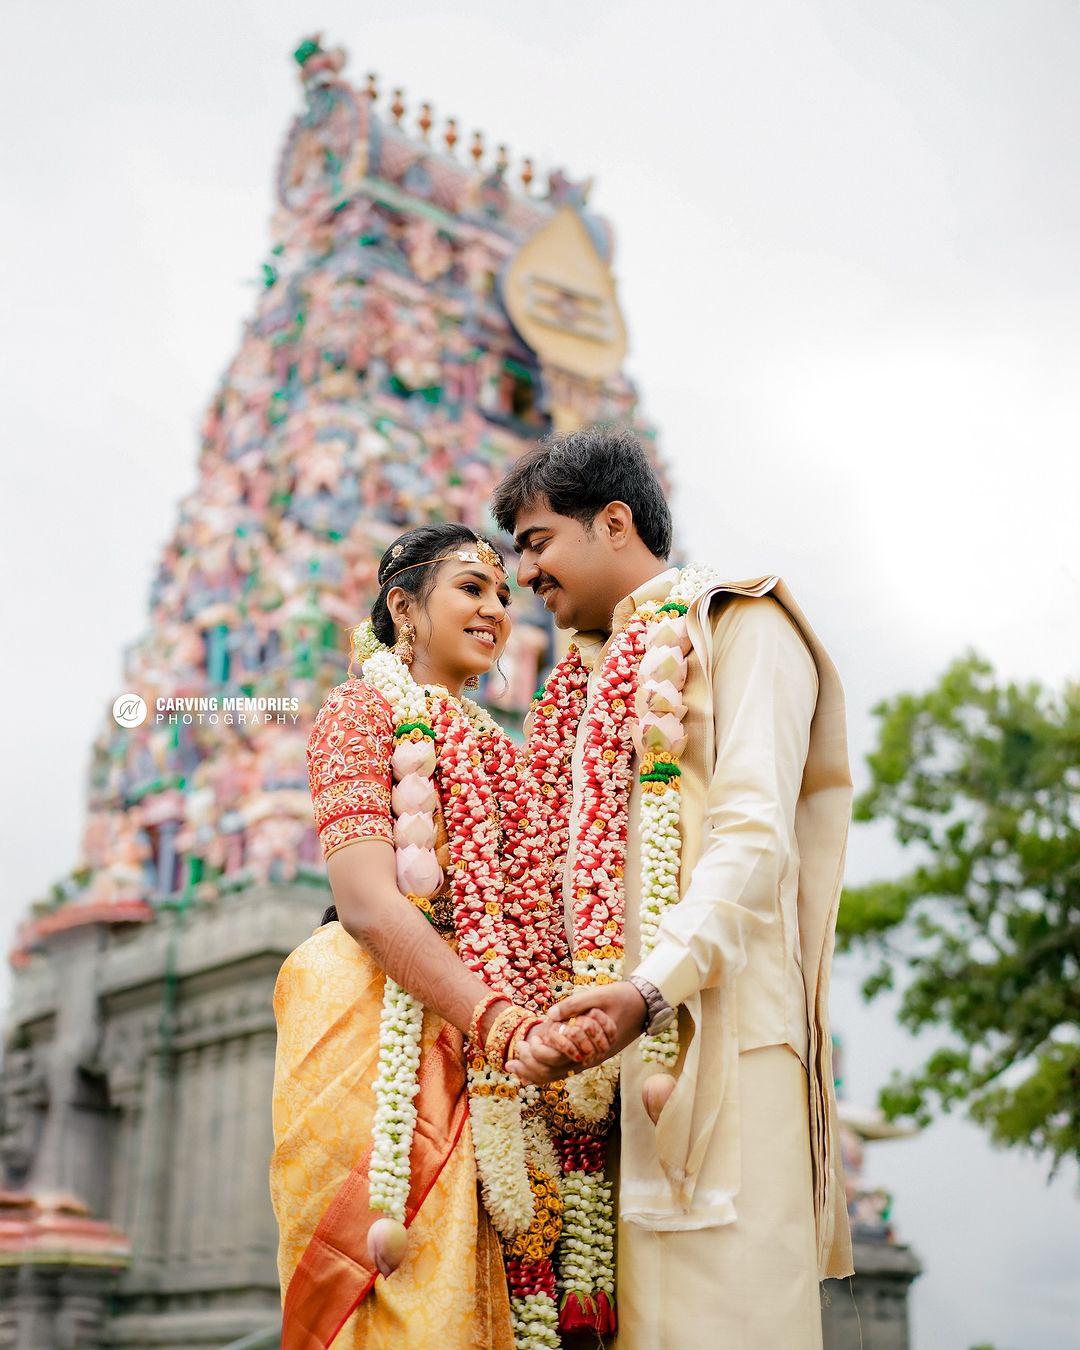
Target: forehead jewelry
[(481, 553)]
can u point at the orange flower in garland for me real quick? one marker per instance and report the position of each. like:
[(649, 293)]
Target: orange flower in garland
[(539, 1239)]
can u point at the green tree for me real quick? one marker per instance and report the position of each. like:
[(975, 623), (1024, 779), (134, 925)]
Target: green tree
[(980, 779)]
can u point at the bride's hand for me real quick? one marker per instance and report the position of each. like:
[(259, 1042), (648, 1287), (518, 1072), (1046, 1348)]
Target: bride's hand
[(552, 1050)]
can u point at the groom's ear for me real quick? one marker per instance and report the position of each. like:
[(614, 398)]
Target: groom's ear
[(616, 521)]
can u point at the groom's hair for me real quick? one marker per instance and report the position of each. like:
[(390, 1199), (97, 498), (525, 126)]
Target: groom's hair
[(579, 474)]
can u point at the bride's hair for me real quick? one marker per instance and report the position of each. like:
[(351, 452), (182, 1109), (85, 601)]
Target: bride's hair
[(401, 566)]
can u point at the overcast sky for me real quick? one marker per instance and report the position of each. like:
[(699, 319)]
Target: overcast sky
[(847, 253)]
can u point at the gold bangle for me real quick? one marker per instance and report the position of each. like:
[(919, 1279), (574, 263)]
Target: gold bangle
[(478, 1016), (520, 1033), (501, 1033)]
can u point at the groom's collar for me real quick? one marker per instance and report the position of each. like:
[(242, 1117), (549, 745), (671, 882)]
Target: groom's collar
[(592, 645)]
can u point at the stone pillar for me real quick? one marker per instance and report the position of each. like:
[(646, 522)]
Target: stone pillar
[(150, 1186), (231, 1145), (126, 1097), (210, 1178), (256, 1217), (187, 1144), (69, 1154)]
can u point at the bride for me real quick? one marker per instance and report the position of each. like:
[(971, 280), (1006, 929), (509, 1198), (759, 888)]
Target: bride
[(403, 1148)]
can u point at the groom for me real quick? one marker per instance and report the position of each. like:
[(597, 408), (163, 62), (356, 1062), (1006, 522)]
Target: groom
[(731, 1206)]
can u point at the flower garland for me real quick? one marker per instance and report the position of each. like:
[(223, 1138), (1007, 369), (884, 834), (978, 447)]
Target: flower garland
[(501, 891), (650, 651), (662, 739), (586, 1273), (396, 1084), (582, 1107), (645, 669), (418, 873)]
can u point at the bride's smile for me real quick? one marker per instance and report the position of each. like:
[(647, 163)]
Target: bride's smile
[(461, 621)]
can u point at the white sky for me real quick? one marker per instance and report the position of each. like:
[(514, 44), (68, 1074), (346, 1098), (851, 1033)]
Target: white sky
[(847, 254)]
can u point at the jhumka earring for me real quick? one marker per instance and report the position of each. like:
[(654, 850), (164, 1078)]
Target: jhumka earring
[(403, 647), (473, 682)]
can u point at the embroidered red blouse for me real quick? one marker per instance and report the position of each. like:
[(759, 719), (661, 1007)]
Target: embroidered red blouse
[(348, 759)]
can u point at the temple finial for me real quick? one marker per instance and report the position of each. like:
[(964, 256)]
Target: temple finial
[(372, 89), (317, 65), (425, 120), (450, 135), (527, 174), (476, 150), (397, 108)]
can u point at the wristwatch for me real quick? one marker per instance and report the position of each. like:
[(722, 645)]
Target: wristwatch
[(658, 1011)]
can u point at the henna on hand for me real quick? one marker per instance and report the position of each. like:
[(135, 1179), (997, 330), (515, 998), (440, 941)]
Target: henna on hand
[(399, 939)]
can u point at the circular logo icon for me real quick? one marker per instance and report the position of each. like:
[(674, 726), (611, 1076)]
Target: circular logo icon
[(129, 710)]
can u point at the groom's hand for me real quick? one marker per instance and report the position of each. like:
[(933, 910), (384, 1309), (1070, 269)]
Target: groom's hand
[(620, 1001), (617, 1008)]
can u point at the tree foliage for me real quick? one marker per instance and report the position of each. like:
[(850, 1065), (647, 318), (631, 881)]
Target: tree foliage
[(981, 937)]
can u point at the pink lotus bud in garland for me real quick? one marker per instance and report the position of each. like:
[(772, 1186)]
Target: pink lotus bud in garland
[(414, 793), (661, 696), (418, 828), (663, 663), (387, 1240), (663, 732), (414, 757), (671, 631), (418, 870)]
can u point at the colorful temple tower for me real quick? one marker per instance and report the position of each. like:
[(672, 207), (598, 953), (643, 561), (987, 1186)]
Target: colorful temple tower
[(425, 314)]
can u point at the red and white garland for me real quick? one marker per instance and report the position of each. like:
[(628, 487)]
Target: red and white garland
[(637, 705), (455, 753)]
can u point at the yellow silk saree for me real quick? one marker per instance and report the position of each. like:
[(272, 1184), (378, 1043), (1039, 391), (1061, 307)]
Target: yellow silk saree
[(450, 1290)]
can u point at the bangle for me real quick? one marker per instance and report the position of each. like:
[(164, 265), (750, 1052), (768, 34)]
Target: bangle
[(501, 1034), (521, 1032), (478, 1016)]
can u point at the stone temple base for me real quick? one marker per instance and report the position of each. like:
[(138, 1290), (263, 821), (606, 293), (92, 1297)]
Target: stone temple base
[(59, 1306), (871, 1309)]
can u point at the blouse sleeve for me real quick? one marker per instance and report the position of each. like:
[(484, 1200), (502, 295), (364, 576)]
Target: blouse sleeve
[(348, 760)]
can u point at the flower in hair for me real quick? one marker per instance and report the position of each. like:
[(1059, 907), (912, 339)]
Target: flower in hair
[(364, 642)]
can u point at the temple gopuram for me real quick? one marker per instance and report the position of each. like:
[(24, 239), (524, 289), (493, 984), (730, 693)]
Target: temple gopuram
[(426, 311)]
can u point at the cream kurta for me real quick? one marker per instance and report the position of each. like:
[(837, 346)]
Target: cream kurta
[(734, 1201)]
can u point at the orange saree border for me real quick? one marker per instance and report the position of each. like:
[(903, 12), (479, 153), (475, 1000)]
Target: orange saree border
[(334, 1274)]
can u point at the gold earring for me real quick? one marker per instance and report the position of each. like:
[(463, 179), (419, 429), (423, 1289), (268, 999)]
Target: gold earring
[(473, 682), (403, 647)]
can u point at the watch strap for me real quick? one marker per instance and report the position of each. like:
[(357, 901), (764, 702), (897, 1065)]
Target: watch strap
[(657, 1008)]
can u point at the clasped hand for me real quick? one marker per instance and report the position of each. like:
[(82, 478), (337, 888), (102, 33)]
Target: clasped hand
[(580, 1032)]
